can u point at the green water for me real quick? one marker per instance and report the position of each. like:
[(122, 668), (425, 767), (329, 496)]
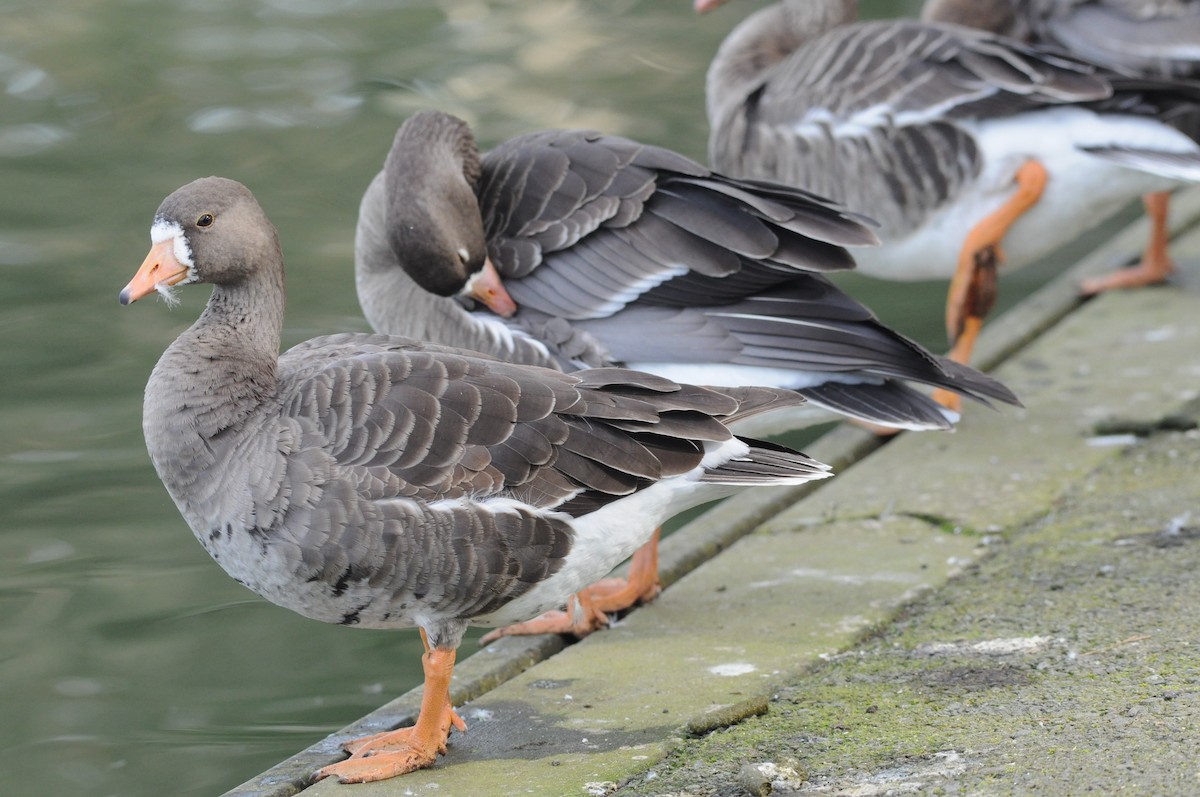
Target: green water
[(129, 663)]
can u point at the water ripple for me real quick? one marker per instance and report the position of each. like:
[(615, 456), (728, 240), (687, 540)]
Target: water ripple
[(18, 141), (228, 119), (15, 253), (25, 80), (227, 43)]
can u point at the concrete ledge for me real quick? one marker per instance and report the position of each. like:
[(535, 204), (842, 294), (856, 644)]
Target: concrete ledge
[(823, 569)]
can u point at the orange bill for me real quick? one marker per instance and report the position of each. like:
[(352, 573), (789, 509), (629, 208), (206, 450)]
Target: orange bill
[(487, 287), (160, 266)]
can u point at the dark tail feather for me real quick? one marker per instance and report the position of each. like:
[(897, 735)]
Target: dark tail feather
[(768, 463), (975, 384), (891, 403)]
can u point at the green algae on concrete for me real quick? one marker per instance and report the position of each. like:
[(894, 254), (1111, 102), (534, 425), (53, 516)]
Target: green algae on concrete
[(1065, 663)]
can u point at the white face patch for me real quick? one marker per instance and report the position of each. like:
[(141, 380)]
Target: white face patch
[(163, 230)]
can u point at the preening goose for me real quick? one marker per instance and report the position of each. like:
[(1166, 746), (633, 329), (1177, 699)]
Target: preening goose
[(620, 252), (382, 482), (955, 140), (1154, 38), (603, 251)]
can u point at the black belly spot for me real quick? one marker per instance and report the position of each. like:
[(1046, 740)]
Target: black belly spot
[(343, 581), (350, 618)]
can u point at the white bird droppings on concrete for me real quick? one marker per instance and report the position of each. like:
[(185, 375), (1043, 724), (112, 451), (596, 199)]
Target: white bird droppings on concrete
[(988, 647), (730, 670)]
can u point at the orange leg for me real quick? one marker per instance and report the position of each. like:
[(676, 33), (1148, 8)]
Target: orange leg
[(391, 753), (641, 586), (597, 601), (577, 623), (1156, 264), (973, 287)]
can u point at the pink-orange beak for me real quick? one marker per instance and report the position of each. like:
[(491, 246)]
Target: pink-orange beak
[(704, 6), (160, 266), (487, 287)]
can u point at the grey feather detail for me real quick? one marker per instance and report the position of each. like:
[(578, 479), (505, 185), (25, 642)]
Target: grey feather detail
[(572, 346), (891, 403), (1149, 37), (1172, 165), (1158, 40), (767, 463), (668, 211), (977, 384), (463, 564), (705, 218)]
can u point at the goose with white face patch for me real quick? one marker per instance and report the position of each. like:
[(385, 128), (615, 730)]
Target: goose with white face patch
[(383, 482), (957, 141)]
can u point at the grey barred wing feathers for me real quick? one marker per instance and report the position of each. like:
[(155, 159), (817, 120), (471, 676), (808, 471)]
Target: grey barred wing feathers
[(867, 114), (442, 424), (581, 225)]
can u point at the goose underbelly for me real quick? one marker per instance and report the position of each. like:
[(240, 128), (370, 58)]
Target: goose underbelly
[(1082, 190), (608, 536)]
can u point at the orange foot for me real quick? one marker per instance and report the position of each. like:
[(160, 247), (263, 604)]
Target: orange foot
[(391, 753), (1156, 264), (595, 603)]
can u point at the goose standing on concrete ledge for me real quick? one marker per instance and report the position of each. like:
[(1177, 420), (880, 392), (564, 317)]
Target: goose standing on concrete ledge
[(597, 250), (947, 136), (1154, 38), (381, 482)]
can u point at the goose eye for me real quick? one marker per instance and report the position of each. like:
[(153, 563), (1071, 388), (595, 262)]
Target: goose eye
[(205, 220)]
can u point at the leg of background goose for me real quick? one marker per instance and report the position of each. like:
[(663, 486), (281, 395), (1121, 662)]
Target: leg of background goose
[(580, 619), (640, 586), (597, 601), (978, 300), (1156, 263), (391, 753), (972, 289)]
